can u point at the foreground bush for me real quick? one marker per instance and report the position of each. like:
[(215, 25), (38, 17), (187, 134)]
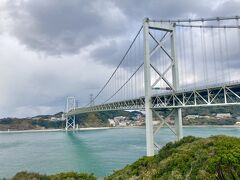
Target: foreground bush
[(61, 176), (216, 157)]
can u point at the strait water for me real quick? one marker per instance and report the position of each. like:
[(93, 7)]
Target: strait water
[(96, 151)]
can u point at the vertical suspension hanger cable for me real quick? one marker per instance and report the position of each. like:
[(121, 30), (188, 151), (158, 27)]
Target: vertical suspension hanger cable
[(203, 53), (155, 59), (135, 77), (119, 80), (192, 54), (142, 79), (128, 72), (127, 66), (135, 63), (114, 82), (132, 70), (220, 50), (161, 62), (227, 53), (214, 55), (124, 89), (119, 83), (161, 65), (139, 55), (126, 69), (139, 75), (238, 31), (184, 55), (164, 65), (121, 69), (123, 78), (180, 55)]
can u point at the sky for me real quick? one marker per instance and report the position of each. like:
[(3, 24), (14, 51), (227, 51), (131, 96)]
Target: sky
[(51, 49)]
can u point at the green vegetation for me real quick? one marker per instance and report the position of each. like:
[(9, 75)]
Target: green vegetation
[(217, 157), (61, 176), (97, 119), (210, 111), (100, 119), (204, 111), (26, 124), (210, 121)]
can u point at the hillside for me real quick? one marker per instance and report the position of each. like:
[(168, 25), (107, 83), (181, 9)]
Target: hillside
[(28, 123), (207, 116), (217, 157), (96, 119)]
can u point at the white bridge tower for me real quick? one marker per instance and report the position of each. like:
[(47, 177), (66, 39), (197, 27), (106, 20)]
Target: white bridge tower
[(173, 83), (70, 119)]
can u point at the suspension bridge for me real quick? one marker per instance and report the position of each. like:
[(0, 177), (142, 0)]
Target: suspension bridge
[(170, 65)]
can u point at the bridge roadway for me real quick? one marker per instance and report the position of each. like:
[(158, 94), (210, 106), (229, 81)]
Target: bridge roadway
[(222, 94)]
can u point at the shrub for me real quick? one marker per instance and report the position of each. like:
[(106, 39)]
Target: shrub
[(60, 176), (216, 157)]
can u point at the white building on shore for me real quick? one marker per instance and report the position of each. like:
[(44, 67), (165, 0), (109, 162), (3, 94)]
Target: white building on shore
[(112, 122), (192, 116), (223, 115)]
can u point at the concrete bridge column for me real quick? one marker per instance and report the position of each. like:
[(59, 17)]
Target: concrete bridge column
[(178, 123), (148, 91)]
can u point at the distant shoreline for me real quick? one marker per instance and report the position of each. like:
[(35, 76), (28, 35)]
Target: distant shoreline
[(31, 131), (103, 128), (212, 126), (52, 130)]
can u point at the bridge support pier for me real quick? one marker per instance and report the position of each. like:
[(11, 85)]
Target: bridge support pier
[(70, 122), (177, 113), (178, 123)]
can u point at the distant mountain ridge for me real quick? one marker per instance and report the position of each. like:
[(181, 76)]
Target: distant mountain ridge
[(95, 119), (98, 119)]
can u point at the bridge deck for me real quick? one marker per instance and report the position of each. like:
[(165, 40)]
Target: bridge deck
[(214, 95)]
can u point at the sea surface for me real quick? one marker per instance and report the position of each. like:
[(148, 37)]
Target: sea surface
[(94, 151)]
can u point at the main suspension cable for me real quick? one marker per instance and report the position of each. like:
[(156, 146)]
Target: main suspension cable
[(117, 66), (199, 19)]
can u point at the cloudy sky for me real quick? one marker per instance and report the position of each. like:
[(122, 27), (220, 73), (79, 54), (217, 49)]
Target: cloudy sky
[(51, 49)]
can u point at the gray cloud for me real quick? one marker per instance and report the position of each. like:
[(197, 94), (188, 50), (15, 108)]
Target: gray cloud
[(64, 27), (59, 27), (52, 49), (227, 8), (164, 9)]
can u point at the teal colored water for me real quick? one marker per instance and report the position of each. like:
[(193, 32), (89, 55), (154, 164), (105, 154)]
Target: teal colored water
[(96, 151)]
